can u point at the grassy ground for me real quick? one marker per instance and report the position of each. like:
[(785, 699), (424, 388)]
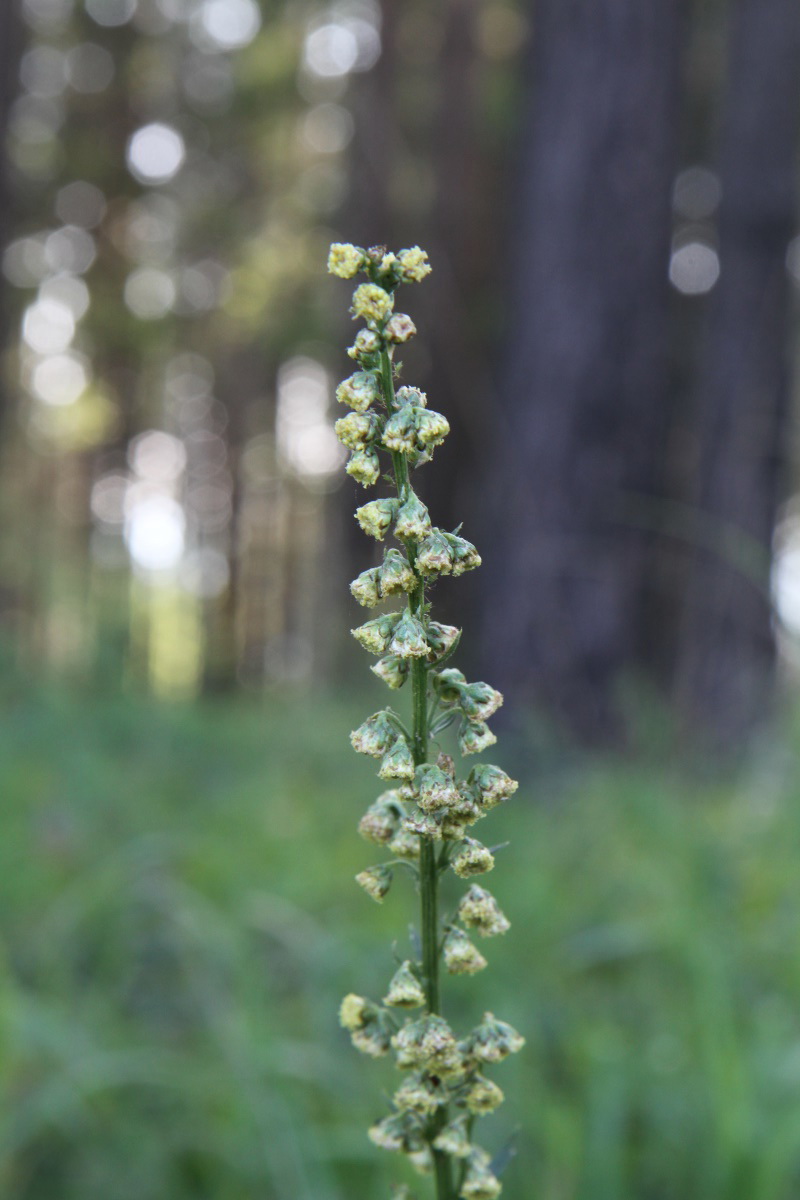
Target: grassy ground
[(179, 921)]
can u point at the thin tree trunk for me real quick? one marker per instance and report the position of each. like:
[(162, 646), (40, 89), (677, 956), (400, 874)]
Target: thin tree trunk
[(584, 384), (727, 651)]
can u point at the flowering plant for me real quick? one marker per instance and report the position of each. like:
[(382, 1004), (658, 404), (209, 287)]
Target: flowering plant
[(424, 817)]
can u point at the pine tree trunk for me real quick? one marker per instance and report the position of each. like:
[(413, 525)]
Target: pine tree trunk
[(728, 651), (584, 385)]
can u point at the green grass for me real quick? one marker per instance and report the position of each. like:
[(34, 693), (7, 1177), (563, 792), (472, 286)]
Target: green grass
[(178, 921)]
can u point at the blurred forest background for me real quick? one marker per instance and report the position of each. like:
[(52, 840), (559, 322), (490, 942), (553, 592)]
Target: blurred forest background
[(607, 192)]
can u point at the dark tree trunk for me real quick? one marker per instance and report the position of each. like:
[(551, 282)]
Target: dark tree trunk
[(727, 651), (10, 50), (584, 385)]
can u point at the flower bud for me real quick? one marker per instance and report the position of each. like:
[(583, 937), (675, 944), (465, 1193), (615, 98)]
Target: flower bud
[(413, 519), (467, 810), (411, 395), (492, 1040), (398, 762), (405, 990), (421, 1093), (376, 517), (357, 429), (424, 824), (452, 827), (475, 736), (482, 1096), (414, 264), (464, 555), (435, 790), (366, 587), (375, 881), (392, 669), (400, 432), (432, 428), (345, 260), (409, 638), (377, 634), (366, 345), (433, 555), (396, 1132), (449, 684), (460, 956), (374, 1040), (453, 1139), (445, 763), (396, 574), (375, 736), (480, 911), (364, 466), (441, 639), (359, 391), (371, 303), (479, 1182), (472, 858), (399, 328), (421, 1159), (355, 1012), (428, 1043), (404, 845), (380, 822), (491, 785), (479, 701)]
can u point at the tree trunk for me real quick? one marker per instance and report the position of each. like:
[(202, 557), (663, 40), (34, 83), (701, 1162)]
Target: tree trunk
[(727, 650), (583, 385)]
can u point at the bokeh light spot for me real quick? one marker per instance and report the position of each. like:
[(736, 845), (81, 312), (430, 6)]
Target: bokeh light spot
[(149, 293), (110, 13), (155, 153), (694, 268), (59, 379), (228, 24)]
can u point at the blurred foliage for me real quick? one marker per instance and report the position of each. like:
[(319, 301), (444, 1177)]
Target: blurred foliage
[(180, 921)]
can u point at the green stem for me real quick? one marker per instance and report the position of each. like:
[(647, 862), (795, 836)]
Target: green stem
[(428, 868)]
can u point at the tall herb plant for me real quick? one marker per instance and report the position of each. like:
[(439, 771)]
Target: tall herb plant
[(425, 816)]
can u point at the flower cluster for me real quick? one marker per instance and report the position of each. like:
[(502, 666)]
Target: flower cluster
[(425, 819)]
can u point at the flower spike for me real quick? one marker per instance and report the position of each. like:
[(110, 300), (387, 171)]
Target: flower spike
[(424, 820)]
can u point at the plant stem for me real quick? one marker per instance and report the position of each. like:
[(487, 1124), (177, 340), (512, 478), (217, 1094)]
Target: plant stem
[(428, 871)]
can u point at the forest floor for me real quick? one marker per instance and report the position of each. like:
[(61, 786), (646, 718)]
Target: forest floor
[(179, 922)]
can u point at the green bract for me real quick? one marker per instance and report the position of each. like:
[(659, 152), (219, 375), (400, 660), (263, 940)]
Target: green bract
[(423, 821)]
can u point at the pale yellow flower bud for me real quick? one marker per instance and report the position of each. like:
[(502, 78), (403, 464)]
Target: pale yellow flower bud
[(472, 858), (453, 1139), (392, 669), (372, 303), (479, 1182), (364, 466), (480, 911), (355, 1012), (366, 588), (345, 260), (398, 762), (376, 517), (460, 956), (483, 1096), (359, 391), (405, 990), (375, 881), (414, 264), (376, 635)]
